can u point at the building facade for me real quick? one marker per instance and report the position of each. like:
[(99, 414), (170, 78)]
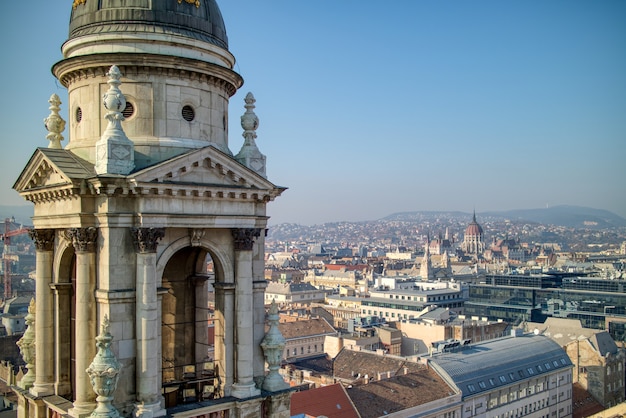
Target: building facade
[(129, 211), (526, 375)]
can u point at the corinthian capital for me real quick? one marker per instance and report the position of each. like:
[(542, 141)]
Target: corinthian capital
[(83, 239), (243, 238), (146, 239), (43, 238)]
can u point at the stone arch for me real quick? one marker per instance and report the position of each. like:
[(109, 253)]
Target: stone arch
[(181, 274), (65, 310), (222, 260)]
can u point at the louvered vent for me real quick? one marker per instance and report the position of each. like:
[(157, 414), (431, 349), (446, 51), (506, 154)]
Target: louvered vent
[(129, 110), (188, 113)]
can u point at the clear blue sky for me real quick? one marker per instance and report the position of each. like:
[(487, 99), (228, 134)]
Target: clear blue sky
[(368, 108)]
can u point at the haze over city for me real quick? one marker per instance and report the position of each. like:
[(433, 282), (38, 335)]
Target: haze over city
[(367, 109)]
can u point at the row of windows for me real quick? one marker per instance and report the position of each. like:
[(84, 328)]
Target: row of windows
[(187, 112), (521, 374), (295, 350), (425, 299)]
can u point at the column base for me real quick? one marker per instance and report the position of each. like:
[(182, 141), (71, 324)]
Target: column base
[(81, 409), (42, 389), (149, 410), (245, 390)]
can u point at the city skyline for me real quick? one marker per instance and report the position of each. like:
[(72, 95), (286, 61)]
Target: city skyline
[(366, 111)]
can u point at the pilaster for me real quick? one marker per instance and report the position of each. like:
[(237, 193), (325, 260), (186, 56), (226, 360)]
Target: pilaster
[(84, 242), (243, 240), (147, 323), (224, 336), (44, 326)]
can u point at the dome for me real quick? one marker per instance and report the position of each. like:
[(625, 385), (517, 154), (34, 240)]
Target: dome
[(195, 19), (474, 228)]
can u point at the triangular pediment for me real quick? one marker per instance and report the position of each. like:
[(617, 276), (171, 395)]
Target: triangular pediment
[(203, 167), (53, 169)]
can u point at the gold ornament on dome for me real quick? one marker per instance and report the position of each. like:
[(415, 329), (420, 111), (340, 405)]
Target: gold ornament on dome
[(196, 2), (77, 2)]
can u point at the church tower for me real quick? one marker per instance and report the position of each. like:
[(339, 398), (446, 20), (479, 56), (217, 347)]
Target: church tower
[(128, 214)]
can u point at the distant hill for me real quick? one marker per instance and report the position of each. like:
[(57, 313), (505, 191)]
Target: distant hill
[(22, 214), (567, 216), (563, 215)]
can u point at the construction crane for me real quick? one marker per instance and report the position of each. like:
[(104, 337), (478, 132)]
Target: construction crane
[(6, 237)]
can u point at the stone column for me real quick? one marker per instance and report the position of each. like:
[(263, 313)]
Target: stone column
[(62, 339), (84, 241), (259, 287), (202, 319), (147, 323), (224, 336), (244, 387), (44, 326)]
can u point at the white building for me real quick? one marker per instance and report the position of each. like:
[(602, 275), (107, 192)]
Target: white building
[(519, 376)]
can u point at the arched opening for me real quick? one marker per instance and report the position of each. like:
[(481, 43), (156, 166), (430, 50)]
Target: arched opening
[(187, 315), (65, 317)]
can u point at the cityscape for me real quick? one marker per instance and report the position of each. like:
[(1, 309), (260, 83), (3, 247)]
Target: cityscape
[(423, 216)]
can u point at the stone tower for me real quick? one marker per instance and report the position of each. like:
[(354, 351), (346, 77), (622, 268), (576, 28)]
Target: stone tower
[(130, 212)]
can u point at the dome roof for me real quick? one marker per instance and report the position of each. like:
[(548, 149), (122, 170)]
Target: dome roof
[(196, 19), (474, 228)]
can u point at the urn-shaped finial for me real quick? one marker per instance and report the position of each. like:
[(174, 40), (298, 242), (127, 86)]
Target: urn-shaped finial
[(273, 345), (54, 123), (104, 373), (27, 347)]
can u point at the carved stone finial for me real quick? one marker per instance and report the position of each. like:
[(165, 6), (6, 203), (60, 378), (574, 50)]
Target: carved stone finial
[(249, 155), (54, 123), (104, 372), (27, 347), (273, 345), (115, 153)]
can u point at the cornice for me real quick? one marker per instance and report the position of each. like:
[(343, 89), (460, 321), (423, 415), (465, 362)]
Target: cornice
[(115, 187), (79, 68)]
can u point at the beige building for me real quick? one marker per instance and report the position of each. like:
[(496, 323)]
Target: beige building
[(599, 364), (305, 338), (130, 211)]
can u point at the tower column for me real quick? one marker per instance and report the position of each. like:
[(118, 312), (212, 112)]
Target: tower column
[(147, 323), (84, 241), (44, 327), (62, 339), (224, 336), (244, 386)]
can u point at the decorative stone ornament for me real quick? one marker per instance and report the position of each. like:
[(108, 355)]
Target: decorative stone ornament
[(273, 345), (54, 123), (27, 348), (196, 2), (77, 2), (115, 153), (249, 155), (104, 372)]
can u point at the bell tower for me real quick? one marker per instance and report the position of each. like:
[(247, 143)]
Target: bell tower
[(131, 212)]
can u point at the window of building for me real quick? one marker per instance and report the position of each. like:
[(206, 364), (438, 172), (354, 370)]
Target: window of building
[(482, 385), (471, 387), (502, 379)]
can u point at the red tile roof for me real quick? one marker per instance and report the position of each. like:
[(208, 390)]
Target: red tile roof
[(330, 401)]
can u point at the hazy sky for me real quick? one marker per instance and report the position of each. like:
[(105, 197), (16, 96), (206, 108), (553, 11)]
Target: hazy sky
[(368, 108)]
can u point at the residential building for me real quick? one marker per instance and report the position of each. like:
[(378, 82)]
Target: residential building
[(522, 375), (599, 363), (293, 293), (305, 337)]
